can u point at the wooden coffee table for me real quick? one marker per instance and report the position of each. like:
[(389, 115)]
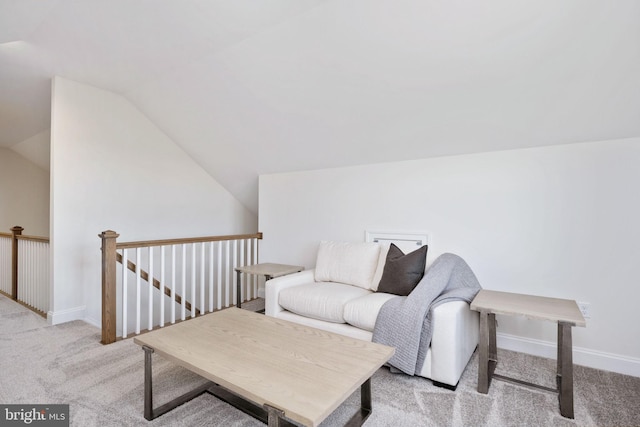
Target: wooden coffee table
[(271, 369)]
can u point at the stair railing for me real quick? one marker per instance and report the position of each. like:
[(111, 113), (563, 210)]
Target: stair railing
[(24, 269), (159, 282)]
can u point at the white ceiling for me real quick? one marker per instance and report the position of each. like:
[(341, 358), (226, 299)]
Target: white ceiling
[(248, 87)]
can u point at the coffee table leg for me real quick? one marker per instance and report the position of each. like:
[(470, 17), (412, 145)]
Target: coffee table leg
[(366, 407), (149, 412), (365, 396), (148, 385), (275, 415)]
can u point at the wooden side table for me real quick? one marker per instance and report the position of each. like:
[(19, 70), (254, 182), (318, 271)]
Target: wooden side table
[(268, 270), (562, 311)]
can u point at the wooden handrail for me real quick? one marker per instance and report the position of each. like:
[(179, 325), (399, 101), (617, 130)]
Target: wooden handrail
[(33, 238), (166, 242), (110, 258), (5, 234), (156, 283)]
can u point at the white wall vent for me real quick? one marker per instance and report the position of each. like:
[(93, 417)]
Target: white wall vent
[(406, 241)]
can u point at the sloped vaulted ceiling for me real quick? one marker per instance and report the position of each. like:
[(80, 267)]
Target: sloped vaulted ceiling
[(249, 87)]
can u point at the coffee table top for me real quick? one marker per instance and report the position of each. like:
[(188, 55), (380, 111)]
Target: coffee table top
[(305, 372), (531, 306)]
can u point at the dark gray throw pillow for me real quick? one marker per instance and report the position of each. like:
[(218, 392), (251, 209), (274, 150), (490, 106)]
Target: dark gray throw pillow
[(402, 272)]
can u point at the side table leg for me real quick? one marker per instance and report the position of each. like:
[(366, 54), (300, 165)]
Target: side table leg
[(487, 351), (565, 369), (493, 349), (238, 290), (148, 384), (483, 354)]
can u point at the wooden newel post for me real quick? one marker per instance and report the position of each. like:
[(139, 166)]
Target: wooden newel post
[(17, 231), (108, 286)]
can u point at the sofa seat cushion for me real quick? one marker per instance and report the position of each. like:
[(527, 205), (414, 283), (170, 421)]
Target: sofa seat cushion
[(362, 312), (320, 300)]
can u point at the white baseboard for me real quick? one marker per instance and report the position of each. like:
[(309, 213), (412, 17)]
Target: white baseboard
[(63, 316), (94, 322), (581, 356)]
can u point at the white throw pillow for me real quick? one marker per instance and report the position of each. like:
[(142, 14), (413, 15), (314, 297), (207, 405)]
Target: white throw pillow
[(345, 262), (382, 259), (362, 312)]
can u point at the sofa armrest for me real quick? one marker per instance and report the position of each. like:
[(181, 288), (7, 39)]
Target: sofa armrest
[(454, 339), (273, 287)]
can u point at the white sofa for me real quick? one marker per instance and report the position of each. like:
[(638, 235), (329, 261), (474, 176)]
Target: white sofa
[(320, 298)]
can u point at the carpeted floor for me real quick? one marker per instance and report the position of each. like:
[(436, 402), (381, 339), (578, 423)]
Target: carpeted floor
[(104, 386)]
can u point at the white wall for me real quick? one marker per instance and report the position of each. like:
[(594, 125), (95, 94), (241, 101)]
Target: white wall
[(114, 169), (557, 221), (24, 194), (36, 149)]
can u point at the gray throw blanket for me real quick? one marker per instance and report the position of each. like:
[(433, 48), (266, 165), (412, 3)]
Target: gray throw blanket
[(405, 322)]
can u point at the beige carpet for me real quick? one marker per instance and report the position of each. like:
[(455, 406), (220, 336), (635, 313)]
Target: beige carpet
[(44, 364)]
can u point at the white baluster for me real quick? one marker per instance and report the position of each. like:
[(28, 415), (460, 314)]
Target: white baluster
[(162, 285), (138, 283), (183, 313), (21, 275), (124, 293), (193, 281), (150, 284), (234, 276), (34, 273), (202, 279), (20, 272), (20, 291), (28, 257), (243, 292), (32, 269), (227, 287), (173, 284), (254, 260), (39, 277), (36, 276), (219, 272), (29, 270), (211, 245)]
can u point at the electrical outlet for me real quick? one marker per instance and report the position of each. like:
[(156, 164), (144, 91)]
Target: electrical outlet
[(585, 309)]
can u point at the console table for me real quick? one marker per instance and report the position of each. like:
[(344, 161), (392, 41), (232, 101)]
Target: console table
[(268, 270), (562, 311)]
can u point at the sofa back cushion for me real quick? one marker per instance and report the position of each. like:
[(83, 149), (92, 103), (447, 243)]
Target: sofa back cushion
[(345, 262)]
